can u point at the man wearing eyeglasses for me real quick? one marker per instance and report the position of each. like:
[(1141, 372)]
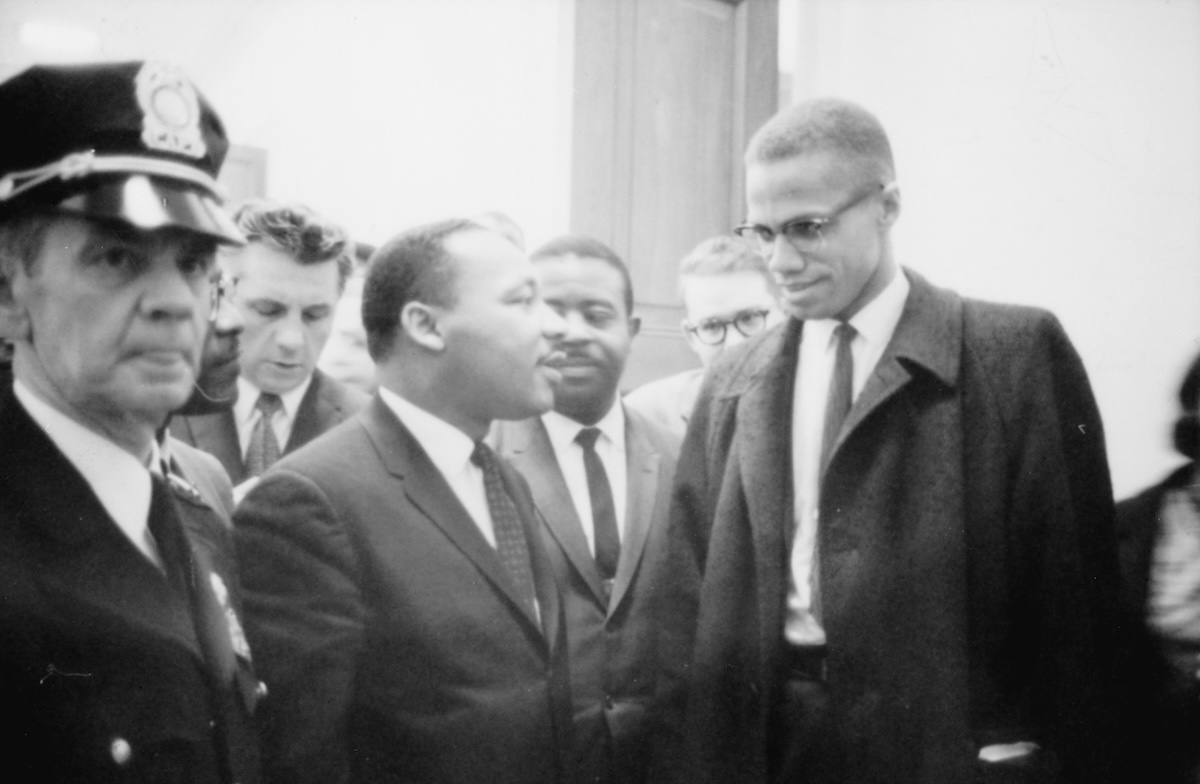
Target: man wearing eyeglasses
[(728, 296), (891, 552)]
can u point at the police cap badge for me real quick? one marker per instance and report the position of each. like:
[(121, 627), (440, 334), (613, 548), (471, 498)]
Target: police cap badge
[(133, 142)]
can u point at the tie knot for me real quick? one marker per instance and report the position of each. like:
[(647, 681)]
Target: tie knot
[(268, 403), (845, 332), (587, 438), (482, 455)]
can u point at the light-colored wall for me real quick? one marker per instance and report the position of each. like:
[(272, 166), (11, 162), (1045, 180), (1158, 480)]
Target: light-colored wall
[(1049, 154), (380, 113)]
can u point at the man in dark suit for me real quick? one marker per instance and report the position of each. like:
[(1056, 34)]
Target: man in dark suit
[(601, 478), (288, 277), (121, 652), (401, 604), (892, 553)]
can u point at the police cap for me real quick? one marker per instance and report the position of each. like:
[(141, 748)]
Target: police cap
[(133, 142)]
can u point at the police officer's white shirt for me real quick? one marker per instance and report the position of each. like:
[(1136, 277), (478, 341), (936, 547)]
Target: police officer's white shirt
[(246, 413), (610, 448), (119, 480), (874, 326)]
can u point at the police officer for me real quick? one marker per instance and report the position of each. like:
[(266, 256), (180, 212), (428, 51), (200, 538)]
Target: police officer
[(121, 653)]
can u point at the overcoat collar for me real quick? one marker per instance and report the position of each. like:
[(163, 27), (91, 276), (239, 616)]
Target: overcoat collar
[(927, 339), (428, 491)]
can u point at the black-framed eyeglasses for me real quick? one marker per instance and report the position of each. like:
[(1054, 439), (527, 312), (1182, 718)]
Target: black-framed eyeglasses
[(220, 287), (711, 332), (805, 234)]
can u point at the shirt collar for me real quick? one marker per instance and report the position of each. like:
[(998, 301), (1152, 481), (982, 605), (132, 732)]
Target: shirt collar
[(248, 393), (874, 323), (448, 447), (564, 430), (119, 480)]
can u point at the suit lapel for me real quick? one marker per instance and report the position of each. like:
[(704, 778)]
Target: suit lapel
[(642, 488), (312, 415), (216, 434), (531, 452), (427, 490)]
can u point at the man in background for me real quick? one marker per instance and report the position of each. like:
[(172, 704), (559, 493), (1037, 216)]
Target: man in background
[(728, 296), (399, 598), (288, 276), (601, 478), (121, 654)]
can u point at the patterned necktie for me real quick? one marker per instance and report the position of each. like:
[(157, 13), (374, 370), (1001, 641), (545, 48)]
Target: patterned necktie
[(511, 543), (604, 516), (264, 446), (841, 392)]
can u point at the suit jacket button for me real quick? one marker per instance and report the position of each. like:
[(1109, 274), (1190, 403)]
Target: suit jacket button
[(121, 751), (260, 690)]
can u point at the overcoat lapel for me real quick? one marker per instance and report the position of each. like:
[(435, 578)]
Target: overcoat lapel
[(764, 428), (643, 466), (532, 453), (313, 415), (928, 336), (426, 489)]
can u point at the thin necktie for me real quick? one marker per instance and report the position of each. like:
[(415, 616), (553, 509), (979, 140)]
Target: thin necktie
[(511, 543), (264, 446), (841, 392), (604, 516)]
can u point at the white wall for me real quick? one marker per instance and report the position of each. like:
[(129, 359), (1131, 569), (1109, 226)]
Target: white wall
[(379, 113), (1048, 153)]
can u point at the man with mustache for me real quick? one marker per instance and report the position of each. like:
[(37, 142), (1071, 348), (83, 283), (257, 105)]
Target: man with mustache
[(892, 554), (601, 477), (121, 653), (399, 598)]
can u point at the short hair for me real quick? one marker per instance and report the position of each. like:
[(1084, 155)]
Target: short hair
[(590, 248), (299, 232), (724, 254), (413, 266), (826, 125)]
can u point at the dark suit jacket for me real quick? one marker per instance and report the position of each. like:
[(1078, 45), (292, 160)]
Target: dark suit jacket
[(327, 403), (97, 653), (205, 474), (612, 642), (392, 639), (967, 556)]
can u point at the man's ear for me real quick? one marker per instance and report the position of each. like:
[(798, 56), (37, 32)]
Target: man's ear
[(689, 337), (635, 326), (420, 322), (891, 203), (14, 322)]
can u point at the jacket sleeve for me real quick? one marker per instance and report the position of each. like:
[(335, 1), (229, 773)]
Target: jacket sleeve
[(1065, 615), (305, 619)]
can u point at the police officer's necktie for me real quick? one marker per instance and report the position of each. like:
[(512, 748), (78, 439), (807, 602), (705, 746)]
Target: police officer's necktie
[(841, 392), (167, 530), (264, 446), (604, 516), (511, 543)]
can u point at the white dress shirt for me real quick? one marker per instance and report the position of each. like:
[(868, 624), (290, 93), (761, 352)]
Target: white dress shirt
[(119, 480), (874, 326), (610, 448), (246, 413), (450, 450)]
